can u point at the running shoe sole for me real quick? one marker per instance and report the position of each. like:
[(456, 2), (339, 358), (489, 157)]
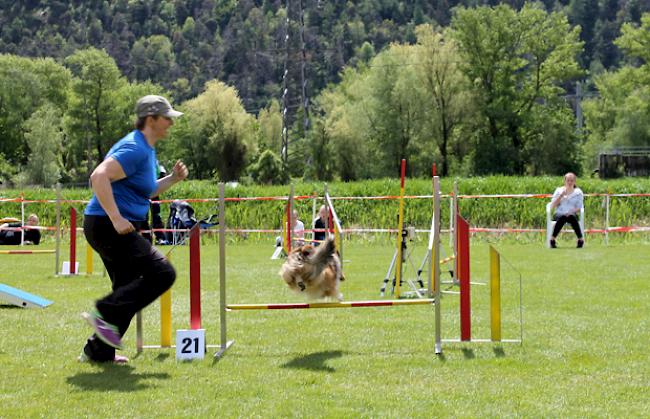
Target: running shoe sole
[(104, 331)]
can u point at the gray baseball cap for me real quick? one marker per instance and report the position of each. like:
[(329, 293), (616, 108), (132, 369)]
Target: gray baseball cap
[(151, 105)]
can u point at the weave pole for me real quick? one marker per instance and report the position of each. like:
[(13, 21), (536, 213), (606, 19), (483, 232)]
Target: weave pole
[(400, 227), (195, 278), (495, 295), (342, 304)]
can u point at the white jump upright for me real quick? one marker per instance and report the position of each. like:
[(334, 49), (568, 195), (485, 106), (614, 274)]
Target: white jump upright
[(434, 264), (225, 344)]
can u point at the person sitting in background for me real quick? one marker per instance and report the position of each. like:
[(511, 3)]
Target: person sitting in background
[(298, 230), (567, 201), (12, 235), (156, 219), (320, 223)]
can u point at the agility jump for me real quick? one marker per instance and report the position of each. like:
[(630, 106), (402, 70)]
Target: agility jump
[(166, 298), (433, 297)]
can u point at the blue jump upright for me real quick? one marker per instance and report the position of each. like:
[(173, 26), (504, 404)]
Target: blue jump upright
[(21, 298)]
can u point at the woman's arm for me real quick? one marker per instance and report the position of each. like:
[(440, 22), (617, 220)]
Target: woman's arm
[(557, 197), (179, 173), (579, 202), (107, 172)]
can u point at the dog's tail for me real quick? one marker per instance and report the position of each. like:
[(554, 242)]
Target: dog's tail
[(323, 254)]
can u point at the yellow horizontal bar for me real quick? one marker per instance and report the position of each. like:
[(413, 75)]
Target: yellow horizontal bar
[(447, 259)]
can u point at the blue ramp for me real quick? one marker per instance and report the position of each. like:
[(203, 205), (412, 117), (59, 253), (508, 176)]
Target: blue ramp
[(21, 298)]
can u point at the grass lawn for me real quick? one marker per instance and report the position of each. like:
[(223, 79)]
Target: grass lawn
[(585, 350)]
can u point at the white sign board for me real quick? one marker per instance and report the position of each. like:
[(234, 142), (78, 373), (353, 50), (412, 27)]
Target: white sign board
[(190, 344), (65, 269)]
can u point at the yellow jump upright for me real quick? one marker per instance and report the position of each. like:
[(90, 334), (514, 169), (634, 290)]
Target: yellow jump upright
[(166, 317), (89, 260)]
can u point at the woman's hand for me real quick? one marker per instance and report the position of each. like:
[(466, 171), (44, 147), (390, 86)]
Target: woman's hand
[(179, 172), (122, 225)]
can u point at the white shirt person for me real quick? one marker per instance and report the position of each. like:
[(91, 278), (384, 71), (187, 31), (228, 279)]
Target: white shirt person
[(567, 201)]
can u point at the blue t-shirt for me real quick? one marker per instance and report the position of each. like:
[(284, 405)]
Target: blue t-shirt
[(138, 160)]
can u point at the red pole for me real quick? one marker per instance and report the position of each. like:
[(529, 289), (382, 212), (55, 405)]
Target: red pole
[(462, 229), (195, 278), (73, 240), (402, 174), (433, 169)]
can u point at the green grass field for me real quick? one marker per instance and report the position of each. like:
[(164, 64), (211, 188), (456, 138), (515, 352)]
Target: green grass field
[(585, 350)]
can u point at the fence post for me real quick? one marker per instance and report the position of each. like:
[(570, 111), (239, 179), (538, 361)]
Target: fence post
[(22, 219), (607, 219), (58, 228)]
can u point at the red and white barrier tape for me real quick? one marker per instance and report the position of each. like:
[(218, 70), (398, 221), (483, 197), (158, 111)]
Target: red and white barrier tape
[(334, 198), (621, 229)]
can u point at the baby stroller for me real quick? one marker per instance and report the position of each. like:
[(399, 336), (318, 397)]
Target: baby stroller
[(181, 217)]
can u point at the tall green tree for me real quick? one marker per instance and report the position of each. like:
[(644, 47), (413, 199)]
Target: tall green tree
[(620, 116), (44, 134), (270, 127), (268, 169), (216, 136), (153, 59), (346, 125), (25, 85), (91, 122), (446, 89), (320, 151), (518, 62), (395, 107)]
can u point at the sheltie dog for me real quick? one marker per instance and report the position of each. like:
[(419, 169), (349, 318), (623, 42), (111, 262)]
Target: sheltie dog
[(314, 271)]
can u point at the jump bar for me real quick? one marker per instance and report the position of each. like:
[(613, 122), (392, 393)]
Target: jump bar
[(24, 252), (343, 304)]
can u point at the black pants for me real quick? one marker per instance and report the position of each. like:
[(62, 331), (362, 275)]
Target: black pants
[(563, 219), (139, 274)]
